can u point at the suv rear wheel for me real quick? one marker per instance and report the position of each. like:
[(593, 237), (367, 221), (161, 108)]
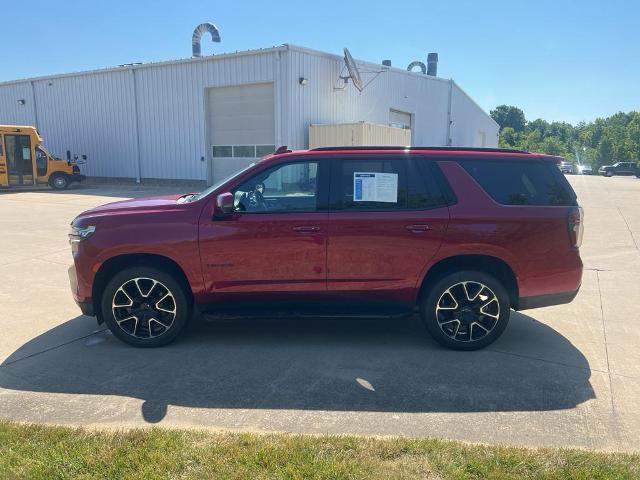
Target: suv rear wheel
[(466, 310), (145, 307)]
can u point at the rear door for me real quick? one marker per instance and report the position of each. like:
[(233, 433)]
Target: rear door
[(387, 219), (627, 168)]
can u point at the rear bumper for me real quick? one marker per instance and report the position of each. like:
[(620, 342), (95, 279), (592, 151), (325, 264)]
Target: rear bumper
[(539, 301)]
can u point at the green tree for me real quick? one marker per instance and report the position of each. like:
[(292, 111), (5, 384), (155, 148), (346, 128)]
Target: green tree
[(509, 116), (553, 146), (509, 138), (632, 140), (604, 151), (603, 141)]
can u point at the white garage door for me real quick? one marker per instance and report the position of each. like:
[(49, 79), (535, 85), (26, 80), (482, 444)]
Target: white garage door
[(241, 126)]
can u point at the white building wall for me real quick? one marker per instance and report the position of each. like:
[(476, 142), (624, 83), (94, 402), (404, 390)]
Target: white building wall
[(470, 122), (91, 115), (94, 113), (11, 112), (172, 106), (323, 100)]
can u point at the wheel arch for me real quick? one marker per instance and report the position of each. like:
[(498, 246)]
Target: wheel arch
[(485, 263), (118, 263)]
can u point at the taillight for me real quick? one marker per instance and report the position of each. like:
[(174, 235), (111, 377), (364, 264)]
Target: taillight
[(575, 222)]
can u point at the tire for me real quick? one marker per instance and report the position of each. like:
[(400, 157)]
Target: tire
[(59, 181), (608, 174), (482, 319), (132, 300)]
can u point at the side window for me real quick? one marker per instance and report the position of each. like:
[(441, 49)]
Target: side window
[(521, 182), (364, 184), (423, 191), (385, 184), (292, 187)]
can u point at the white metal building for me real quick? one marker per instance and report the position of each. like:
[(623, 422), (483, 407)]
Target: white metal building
[(202, 118)]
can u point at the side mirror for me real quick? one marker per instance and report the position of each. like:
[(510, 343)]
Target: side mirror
[(224, 203)]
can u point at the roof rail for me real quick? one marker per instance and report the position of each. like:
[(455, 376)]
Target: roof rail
[(399, 147)]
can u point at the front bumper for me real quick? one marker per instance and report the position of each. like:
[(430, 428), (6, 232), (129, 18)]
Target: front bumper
[(78, 177), (82, 300)]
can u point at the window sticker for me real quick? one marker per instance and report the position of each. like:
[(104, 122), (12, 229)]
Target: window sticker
[(375, 187)]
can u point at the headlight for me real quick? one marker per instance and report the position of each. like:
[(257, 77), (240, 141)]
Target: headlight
[(77, 234)]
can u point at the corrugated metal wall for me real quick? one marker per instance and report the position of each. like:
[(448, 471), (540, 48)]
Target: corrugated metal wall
[(11, 112), (91, 115), (323, 100), (172, 106), (94, 113), (470, 122)]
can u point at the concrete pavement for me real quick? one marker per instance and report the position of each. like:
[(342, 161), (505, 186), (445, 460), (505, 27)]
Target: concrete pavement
[(559, 376)]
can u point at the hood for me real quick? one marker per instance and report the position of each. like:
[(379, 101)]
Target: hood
[(136, 205)]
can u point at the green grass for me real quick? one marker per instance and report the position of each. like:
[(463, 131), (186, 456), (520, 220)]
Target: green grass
[(42, 452)]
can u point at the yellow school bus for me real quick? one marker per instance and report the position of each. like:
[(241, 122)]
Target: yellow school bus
[(24, 161)]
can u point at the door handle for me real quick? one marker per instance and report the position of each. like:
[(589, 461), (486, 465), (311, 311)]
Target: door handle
[(306, 228), (418, 228)]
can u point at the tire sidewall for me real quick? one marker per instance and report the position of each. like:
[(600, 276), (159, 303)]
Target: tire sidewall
[(183, 309), (430, 299), (54, 177)]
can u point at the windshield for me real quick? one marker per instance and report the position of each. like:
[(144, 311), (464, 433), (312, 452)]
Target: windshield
[(218, 184)]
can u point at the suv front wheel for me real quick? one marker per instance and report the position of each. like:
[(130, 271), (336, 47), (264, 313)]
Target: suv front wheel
[(466, 310), (145, 307)]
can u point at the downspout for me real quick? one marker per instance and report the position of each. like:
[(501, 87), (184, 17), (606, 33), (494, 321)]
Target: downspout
[(135, 113), (35, 107), (449, 120)]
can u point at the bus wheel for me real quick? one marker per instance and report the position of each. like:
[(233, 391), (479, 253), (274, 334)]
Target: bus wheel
[(59, 181)]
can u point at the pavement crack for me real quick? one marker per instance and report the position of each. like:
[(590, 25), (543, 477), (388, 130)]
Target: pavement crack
[(35, 354), (633, 239), (614, 413)]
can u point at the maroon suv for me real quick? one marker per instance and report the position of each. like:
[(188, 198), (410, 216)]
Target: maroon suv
[(462, 235)]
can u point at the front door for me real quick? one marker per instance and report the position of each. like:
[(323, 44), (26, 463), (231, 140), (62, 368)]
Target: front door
[(273, 246), (19, 159), (387, 219)]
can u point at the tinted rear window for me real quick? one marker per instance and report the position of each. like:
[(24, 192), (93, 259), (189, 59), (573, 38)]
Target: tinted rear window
[(521, 182)]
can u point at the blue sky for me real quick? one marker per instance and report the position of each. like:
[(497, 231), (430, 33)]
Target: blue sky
[(558, 60)]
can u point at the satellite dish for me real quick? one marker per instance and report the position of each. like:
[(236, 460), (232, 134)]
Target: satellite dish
[(354, 73)]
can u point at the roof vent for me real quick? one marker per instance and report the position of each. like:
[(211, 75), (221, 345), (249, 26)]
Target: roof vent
[(432, 64), (197, 36)]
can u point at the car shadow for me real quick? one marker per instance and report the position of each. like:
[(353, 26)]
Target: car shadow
[(309, 364)]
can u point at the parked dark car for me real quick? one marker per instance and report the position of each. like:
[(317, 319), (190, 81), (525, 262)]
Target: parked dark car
[(620, 168), (461, 235)]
